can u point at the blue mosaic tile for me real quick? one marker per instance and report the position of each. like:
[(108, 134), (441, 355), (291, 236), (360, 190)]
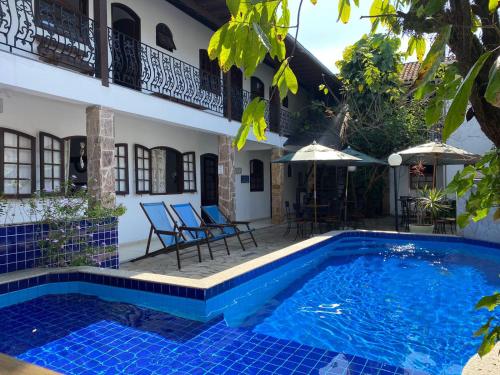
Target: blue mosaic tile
[(20, 246)]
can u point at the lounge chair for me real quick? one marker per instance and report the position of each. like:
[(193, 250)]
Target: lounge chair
[(196, 228), (170, 236), (229, 227)]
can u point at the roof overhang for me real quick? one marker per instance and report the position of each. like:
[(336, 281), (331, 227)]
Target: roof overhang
[(309, 70)]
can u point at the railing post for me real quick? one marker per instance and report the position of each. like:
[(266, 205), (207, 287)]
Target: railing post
[(229, 98), (101, 19)]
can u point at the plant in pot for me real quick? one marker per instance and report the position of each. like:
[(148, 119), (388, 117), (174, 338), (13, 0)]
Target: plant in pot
[(429, 206)]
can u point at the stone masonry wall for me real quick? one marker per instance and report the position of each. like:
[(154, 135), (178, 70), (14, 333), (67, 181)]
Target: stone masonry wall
[(101, 155), (227, 192), (277, 188)]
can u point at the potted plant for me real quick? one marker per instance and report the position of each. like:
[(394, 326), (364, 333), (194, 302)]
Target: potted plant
[(429, 205)]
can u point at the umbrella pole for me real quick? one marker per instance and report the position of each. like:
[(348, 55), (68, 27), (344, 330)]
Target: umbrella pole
[(434, 172)]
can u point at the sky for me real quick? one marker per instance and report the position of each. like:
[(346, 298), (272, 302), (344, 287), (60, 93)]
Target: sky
[(326, 38)]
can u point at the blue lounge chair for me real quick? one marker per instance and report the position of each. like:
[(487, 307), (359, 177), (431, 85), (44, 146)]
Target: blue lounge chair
[(169, 235), (229, 227), (195, 228)]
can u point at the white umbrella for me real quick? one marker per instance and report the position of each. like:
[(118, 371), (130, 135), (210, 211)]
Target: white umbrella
[(437, 153), (318, 153)]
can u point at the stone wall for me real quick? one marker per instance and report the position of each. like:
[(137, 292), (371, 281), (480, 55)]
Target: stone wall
[(227, 192), (101, 155), (277, 188)]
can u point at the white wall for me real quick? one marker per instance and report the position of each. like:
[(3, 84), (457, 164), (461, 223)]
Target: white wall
[(252, 205), (31, 114)]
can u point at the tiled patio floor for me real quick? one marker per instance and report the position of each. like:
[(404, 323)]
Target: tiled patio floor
[(269, 239)]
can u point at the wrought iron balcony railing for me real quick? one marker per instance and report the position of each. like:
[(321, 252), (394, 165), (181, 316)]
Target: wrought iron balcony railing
[(46, 30)]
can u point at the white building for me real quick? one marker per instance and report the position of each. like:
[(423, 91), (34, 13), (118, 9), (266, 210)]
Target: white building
[(139, 84)]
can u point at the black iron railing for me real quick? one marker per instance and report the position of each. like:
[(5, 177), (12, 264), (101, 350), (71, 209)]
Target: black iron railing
[(139, 66), (50, 32), (46, 29)]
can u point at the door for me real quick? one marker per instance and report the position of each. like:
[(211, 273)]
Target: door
[(209, 179), (236, 94), (126, 46)]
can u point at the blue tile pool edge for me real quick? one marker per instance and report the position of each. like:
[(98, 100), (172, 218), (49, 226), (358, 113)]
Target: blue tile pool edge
[(203, 294)]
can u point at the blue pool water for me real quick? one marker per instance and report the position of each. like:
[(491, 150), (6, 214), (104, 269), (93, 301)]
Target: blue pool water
[(354, 306), (408, 304)]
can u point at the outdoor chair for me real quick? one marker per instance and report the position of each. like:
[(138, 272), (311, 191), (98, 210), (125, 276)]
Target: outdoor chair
[(195, 228), (170, 236), (229, 227)]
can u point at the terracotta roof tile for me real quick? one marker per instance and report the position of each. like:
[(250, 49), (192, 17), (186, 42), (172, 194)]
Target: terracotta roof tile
[(409, 72)]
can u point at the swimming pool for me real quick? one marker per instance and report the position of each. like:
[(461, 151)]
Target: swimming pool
[(370, 304)]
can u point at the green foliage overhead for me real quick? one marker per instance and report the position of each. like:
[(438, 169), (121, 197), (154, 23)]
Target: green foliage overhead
[(482, 182), (370, 69), (259, 28)]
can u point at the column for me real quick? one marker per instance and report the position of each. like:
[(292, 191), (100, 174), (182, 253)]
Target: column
[(227, 193), (101, 155), (277, 188)]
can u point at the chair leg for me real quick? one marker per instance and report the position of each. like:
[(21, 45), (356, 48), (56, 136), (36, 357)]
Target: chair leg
[(149, 240), (227, 247), (241, 242), (210, 249), (178, 254), (199, 252), (253, 239)]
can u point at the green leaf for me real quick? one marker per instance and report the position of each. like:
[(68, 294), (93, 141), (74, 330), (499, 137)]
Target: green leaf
[(458, 107), (291, 80), (434, 112), (262, 36), (492, 93), (488, 343), (489, 302), (344, 11), (433, 6), (462, 220), (493, 5), (496, 215), (433, 58), (233, 6), (484, 329), (420, 47), (216, 41)]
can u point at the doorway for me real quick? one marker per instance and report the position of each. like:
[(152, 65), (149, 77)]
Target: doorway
[(236, 94), (126, 46), (209, 179)]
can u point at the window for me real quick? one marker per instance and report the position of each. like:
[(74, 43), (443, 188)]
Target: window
[(256, 175), (256, 88), (121, 168), (51, 163), (164, 38), (17, 163), (189, 171), (142, 169), (421, 176), (63, 16), (209, 74), (75, 151), (158, 170)]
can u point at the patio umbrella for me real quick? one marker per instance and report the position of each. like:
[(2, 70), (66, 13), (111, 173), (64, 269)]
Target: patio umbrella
[(317, 153), (437, 153)]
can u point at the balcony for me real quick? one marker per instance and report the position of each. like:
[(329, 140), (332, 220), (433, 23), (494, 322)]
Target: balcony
[(46, 31)]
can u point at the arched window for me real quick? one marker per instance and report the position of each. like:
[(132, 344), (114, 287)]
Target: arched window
[(256, 175), (17, 158), (164, 38), (166, 171), (256, 88)]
